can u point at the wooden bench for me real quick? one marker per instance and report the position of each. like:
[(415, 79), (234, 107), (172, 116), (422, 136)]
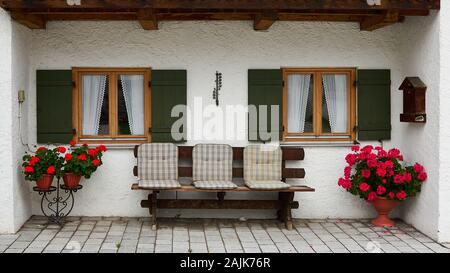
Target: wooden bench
[(283, 205)]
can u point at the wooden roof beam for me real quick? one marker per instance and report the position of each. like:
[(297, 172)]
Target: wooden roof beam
[(147, 19), (265, 20), (376, 22), (222, 4), (30, 20)]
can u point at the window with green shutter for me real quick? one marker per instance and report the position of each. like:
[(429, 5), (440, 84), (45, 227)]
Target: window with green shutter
[(169, 89), (54, 106), (265, 93), (374, 104)]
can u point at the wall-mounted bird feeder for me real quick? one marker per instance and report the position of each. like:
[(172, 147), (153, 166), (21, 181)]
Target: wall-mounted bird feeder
[(413, 100)]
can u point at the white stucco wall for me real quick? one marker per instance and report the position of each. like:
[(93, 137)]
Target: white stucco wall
[(14, 191), (444, 134), (202, 48)]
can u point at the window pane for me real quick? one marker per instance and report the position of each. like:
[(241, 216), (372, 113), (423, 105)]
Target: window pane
[(130, 105), (335, 104), (300, 103), (95, 95)]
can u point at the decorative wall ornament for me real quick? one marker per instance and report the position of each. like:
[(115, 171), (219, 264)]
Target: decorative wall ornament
[(218, 87)]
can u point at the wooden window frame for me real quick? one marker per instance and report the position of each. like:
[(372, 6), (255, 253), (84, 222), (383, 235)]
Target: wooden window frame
[(317, 134), (113, 137)]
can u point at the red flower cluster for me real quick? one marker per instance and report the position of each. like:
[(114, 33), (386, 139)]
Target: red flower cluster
[(374, 172)]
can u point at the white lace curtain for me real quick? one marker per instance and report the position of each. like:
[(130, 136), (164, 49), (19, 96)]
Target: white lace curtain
[(297, 102), (336, 96), (94, 88), (133, 92)]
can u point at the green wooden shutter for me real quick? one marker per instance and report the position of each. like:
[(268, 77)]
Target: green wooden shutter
[(54, 106), (374, 104), (265, 87), (169, 89)]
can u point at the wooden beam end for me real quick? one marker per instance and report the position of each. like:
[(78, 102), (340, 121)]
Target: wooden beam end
[(265, 20), (29, 20), (371, 23), (147, 19)]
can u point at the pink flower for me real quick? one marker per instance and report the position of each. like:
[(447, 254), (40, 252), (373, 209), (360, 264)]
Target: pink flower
[(398, 179), (422, 176), (381, 190), (384, 181), (418, 168), (355, 148), (365, 173), (381, 172), (371, 156), (372, 163), (372, 196), (364, 187), (391, 195), (378, 148), (390, 173), (362, 156), (401, 195)]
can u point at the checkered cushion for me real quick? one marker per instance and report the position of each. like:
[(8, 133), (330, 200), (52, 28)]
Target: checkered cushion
[(262, 163), (215, 185), (267, 185), (158, 161), (212, 162), (159, 184)]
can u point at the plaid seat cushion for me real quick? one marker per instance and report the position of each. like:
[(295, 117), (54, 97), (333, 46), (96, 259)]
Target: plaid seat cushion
[(262, 163), (159, 184), (215, 185), (267, 185), (158, 161), (212, 162)]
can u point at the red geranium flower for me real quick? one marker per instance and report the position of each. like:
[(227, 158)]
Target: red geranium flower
[(82, 157), (92, 152), (355, 148), (401, 195), (42, 149), (372, 196), (96, 162), (372, 163), (398, 179), (367, 149), (51, 170), (29, 169), (365, 173), (101, 148), (418, 168), (34, 160), (61, 150), (422, 176), (407, 177), (72, 143), (347, 172), (394, 153), (391, 195), (68, 157), (381, 190), (364, 187)]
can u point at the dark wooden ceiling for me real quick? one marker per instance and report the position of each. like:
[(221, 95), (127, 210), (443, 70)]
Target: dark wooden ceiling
[(36, 13)]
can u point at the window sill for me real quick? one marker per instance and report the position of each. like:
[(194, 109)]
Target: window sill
[(128, 146), (317, 144)]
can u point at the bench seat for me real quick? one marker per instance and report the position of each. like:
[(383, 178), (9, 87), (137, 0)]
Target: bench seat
[(189, 188)]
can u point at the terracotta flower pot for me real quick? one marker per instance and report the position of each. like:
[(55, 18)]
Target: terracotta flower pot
[(383, 207), (45, 182), (71, 181)]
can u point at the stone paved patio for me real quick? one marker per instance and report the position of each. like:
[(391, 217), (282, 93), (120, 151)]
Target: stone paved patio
[(130, 235)]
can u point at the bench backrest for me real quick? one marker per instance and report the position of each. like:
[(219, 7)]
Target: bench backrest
[(288, 154), (212, 162), (157, 161), (262, 163)]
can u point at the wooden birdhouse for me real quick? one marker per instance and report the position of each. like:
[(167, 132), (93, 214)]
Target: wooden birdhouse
[(413, 100)]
